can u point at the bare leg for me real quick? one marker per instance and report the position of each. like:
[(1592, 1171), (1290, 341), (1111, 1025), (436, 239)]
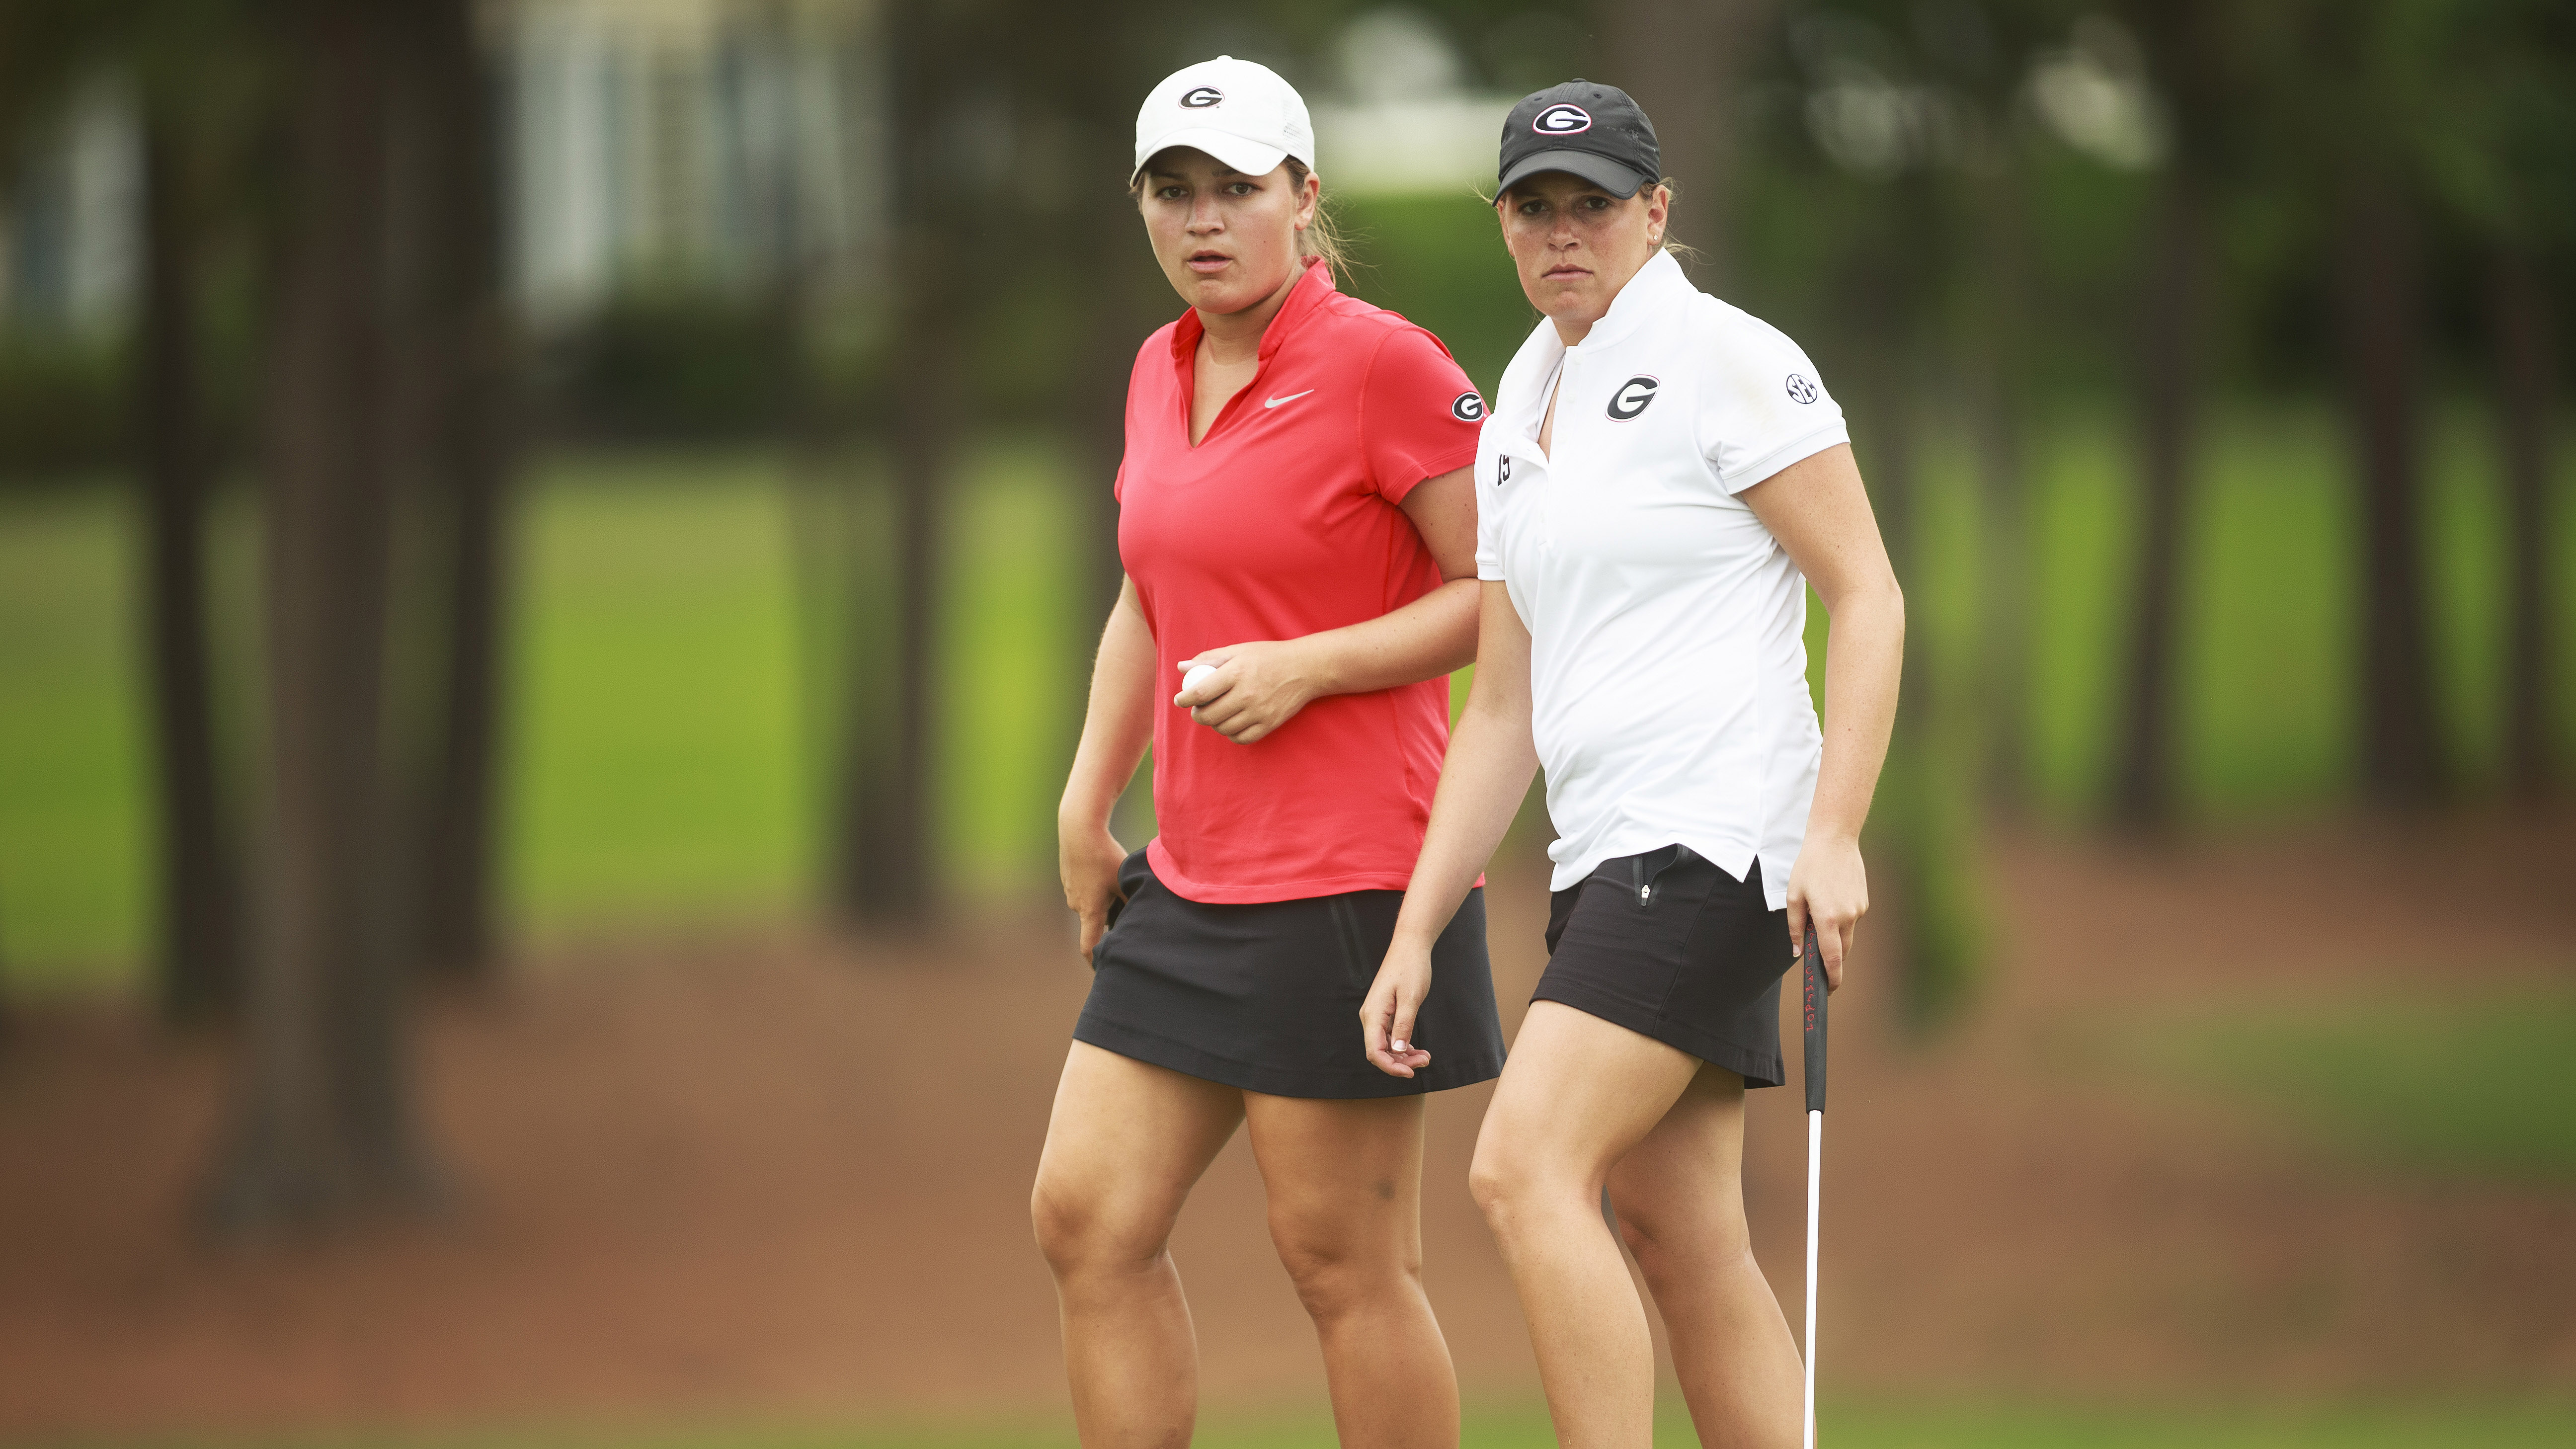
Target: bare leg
[(1345, 1184), (1125, 1146), (1577, 1094), (1680, 1199)]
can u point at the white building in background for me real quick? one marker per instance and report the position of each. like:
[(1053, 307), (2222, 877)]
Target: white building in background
[(1403, 119), (700, 143), (684, 142), (70, 226), (697, 144)]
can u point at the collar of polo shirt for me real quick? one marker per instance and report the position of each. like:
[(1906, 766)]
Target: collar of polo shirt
[(1660, 283)]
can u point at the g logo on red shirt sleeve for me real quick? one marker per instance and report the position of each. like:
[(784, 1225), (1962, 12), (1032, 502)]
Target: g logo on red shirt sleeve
[(1467, 407)]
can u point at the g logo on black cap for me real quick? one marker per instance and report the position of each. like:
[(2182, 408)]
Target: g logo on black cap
[(1562, 121), (1632, 397), (1467, 407), (1199, 98)]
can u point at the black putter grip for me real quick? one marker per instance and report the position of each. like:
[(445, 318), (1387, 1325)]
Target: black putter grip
[(1814, 1014)]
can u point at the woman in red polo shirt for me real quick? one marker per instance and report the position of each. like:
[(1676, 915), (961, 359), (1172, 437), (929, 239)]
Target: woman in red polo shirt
[(1297, 513)]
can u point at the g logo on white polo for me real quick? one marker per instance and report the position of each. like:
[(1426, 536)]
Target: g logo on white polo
[(1801, 390), (1467, 407), (1502, 469), (1199, 98), (1632, 397), (1562, 121)]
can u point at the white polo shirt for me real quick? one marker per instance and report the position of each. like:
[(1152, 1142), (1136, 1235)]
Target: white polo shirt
[(1668, 661)]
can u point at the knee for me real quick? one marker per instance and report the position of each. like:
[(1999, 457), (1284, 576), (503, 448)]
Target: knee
[(1646, 1233), (1334, 1275), (1509, 1184), (1082, 1232), (1667, 1237)]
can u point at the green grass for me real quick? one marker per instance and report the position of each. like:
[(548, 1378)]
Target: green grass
[(2481, 1083), (668, 756), (656, 764), (670, 750), (72, 769), (2507, 1425)]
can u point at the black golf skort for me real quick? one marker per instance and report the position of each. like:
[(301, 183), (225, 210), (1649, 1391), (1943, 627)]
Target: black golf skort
[(1266, 997), (1671, 947)]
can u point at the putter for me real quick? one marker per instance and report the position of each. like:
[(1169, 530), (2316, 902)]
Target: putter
[(1815, 1068)]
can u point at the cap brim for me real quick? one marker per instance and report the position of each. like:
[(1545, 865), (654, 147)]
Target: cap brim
[(1249, 157), (1611, 176)]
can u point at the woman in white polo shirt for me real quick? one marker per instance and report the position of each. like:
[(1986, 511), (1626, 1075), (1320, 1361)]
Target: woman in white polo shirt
[(1661, 478)]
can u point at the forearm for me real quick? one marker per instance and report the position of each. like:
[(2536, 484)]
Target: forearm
[(1482, 783), (1432, 636), (1119, 721), (1863, 662)]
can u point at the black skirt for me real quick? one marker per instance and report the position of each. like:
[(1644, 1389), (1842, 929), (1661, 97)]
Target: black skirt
[(1671, 947), (1266, 997)]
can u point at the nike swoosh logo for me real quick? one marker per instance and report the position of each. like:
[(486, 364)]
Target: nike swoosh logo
[(1292, 397)]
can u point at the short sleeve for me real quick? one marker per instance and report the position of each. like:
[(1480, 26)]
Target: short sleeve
[(1418, 413), (1763, 406), (1489, 519)]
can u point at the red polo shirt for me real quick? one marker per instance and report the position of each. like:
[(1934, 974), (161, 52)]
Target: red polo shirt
[(1283, 522)]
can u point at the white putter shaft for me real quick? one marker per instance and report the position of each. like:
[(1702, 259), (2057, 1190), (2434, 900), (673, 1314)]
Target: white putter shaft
[(1814, 1064), (1815, 1190)]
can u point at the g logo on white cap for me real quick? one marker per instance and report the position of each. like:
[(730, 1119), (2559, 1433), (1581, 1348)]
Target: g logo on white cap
[(1199, 98), (1562, 121)]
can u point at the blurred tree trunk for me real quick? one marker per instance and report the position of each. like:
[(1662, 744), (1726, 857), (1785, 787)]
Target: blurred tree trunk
[(1922, 835), (2172, 306), (2007, 275), (2378, 294), (1089, 70), (463, 353), (2186, 49), (2518, 304), (1681, 60), (1094, 71), (1119, 318), (200, 916), (883, 861), (326, 1119)]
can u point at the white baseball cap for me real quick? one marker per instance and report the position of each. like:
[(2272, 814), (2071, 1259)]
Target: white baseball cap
[(1238, 111)]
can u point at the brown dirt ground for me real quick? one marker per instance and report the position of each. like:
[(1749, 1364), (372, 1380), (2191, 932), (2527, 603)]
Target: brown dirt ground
[(786, 1177)]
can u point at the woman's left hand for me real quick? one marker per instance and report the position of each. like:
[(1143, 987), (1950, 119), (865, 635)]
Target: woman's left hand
[(1257, 688), (1828, 888)]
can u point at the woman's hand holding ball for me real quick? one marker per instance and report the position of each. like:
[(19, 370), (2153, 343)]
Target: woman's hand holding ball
[(1244, 691)]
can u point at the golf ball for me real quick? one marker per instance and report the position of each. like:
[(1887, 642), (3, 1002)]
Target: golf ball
[(1197, 672)]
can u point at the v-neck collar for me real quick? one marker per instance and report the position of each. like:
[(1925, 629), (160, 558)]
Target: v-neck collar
[(1303, 298)]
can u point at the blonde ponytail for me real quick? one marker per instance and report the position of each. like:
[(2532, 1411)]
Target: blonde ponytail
[(1320, 237)]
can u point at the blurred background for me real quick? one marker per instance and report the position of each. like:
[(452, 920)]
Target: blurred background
[(548, 558)]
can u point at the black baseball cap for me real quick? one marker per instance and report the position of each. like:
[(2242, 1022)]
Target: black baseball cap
[(1594, 131)]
